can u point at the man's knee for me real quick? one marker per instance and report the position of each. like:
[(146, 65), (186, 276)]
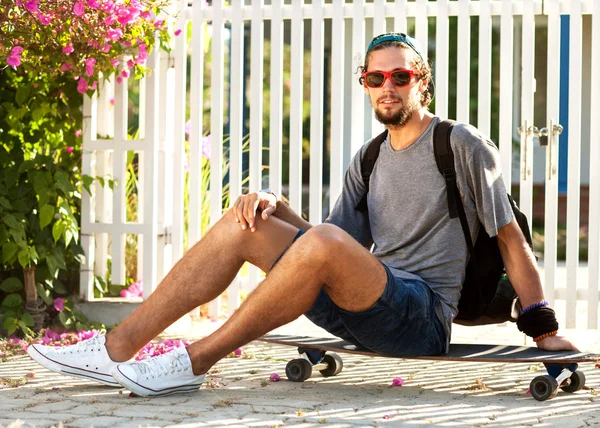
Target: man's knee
[(325, 241)]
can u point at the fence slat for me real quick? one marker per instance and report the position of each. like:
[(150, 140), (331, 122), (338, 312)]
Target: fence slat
[(400, 16), (316, 114), (484, 88), (358, 97), (441, 59), (296, 94), (506, 91), (422, 26), (179, 155), (338, 77), (148, 197), (196, 107), (552, 115), (276, 124), (594, 191), (237, 103), (574, 158), (527, 91), (463, 63)]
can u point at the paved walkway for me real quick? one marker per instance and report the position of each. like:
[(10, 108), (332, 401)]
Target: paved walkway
[(239, 392)]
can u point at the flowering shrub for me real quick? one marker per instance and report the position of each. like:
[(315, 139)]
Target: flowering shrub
[(82, 39)]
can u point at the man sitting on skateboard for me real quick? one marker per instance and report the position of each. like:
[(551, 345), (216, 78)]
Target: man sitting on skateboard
[(398, 299)]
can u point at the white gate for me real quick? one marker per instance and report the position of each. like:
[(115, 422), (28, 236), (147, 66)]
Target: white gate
[(313, 51)]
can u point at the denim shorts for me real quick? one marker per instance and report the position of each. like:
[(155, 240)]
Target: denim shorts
[(401, 323)]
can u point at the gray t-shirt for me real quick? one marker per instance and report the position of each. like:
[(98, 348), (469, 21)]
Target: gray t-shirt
[(408, 226)]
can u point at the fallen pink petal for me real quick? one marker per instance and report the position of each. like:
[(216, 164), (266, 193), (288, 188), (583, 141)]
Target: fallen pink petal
[(274, 377), (397, 381), (386, 416), (238, 352)]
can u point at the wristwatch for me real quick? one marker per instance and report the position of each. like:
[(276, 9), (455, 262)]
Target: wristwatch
[(269, 191)]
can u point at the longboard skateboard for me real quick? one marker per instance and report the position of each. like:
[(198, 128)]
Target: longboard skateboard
[(320, 354)]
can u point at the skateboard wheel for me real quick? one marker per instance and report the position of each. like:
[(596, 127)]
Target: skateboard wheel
[(576, 382), (298, 370), (334, 364), (543, 388)]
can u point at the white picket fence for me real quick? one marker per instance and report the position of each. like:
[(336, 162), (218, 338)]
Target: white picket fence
[(339, 32)]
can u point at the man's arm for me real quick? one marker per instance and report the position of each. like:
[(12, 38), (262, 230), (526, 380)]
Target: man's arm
[(521, 269)]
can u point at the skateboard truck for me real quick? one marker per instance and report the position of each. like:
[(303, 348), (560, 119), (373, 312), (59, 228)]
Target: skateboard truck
[(565, 377), (300, 369)]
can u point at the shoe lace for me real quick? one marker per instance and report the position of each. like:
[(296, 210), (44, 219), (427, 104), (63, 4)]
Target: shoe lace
[(85, 346), (162, 365)]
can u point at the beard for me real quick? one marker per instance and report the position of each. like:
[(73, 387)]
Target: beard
[(392, 118)]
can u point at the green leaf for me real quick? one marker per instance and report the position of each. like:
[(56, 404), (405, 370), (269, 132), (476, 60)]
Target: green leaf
[(28, 320), (59, 288), (11, 329), (58, 229), (44, 294), (12, 301), (46, 215), (8, 251), (8, 324), (87, 182), (12, 222), (23, 257), (11, 285), (5, 203), (11, 176), (23, 94), (26, 166), (65, 320), (52, 265)]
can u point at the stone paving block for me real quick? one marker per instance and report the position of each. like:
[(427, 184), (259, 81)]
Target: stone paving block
[(99, 422)]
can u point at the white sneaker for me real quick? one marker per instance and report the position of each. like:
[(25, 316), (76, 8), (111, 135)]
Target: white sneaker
[(162, 375), (87, 359)]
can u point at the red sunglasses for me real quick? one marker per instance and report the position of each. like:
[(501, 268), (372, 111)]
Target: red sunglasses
[(376, 79)]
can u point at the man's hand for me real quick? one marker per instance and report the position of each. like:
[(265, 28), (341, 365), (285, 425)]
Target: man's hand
[(556, 343), (246, 207)]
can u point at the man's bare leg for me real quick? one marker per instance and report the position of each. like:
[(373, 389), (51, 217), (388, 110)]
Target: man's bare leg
[(201, 275), (325, 257)]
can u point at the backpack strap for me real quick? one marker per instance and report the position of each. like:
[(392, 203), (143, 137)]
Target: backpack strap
[(444, 158), (367, 165)]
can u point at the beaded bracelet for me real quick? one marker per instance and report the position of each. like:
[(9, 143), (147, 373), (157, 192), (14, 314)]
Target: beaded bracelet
[(535, 305), (543, 336)]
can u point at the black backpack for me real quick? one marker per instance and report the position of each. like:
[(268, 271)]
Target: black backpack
[(487, 296)]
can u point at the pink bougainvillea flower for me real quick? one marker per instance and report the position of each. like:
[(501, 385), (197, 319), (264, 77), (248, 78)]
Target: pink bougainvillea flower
[(16, 51), (78, 133), (114, 34), (109, 21), (89, 66), (112, 101), (45, 19), (13, 61), (125, 73), (82, 86), (158, 23), (68, 49), (274, 377), (206, 144), (59, 304), (119, 79), (397, 381), (69, 149), (238, 352), (114, 62), (188, 127), (130, 64), (93, 4), (66, 67), (134, 290), (32, 6), (79, 8), (177, 32)]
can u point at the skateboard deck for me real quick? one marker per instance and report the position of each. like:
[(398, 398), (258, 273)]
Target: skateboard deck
[(320, 354)]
